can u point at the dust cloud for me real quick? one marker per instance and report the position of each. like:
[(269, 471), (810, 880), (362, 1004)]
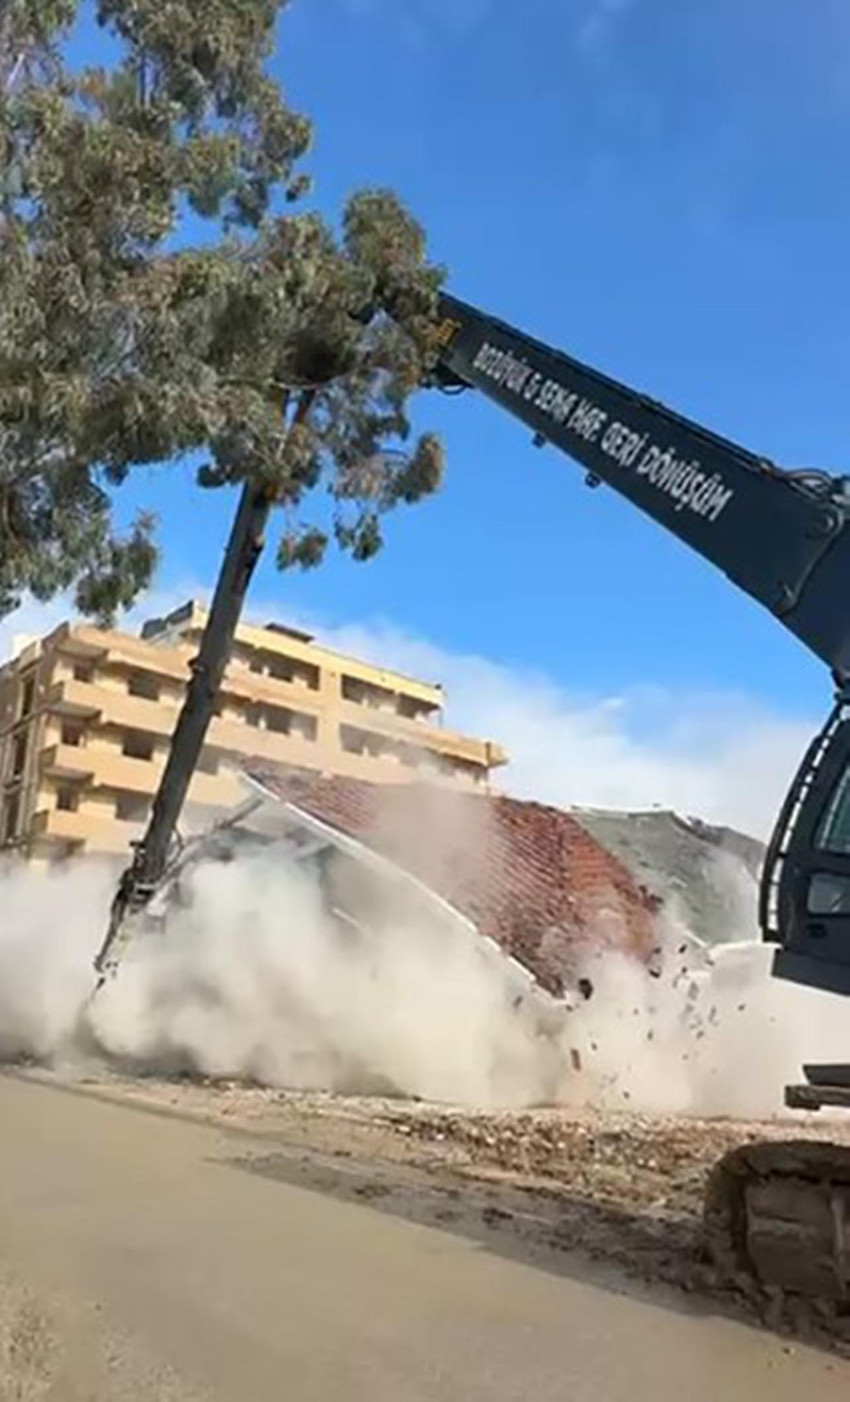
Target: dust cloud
[(253, 979), (708, 1031), (709, 1040)]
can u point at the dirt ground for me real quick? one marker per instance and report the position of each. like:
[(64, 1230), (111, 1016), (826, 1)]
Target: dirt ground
[(56, 1348), (153, 1246), (623, 1189)]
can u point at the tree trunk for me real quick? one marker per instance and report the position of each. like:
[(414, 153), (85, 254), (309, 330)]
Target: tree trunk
[(139, 881), (244, 548)]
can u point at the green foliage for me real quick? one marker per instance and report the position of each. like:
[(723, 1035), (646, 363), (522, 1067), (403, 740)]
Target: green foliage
[(277, 349)]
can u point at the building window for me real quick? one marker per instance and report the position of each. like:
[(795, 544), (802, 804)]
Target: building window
[(377, 698), (72, 734), (83, 672), (361, 693), (306, 675), (278, 720), (144, 685), (413, 709), (241, 655), (67, 799), (281, 669), (137, 745), (11, 817), (363, 742), (19, 754), (28, 697), (129, 808), (306, 727)]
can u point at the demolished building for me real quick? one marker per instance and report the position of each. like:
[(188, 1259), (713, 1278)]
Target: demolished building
[(550, 891), (528, 877), (512, 900), (430, 905)]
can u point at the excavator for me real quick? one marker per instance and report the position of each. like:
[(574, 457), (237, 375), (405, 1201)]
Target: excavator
[(777, 1214)]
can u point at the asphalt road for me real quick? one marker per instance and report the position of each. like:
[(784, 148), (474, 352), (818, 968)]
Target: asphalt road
[(138, 1258)]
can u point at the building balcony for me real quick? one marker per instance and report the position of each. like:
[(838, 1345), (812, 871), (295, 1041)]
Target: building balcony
[(88, 701), (81, 829), (69, 762), (82, 641), (94, 768), (118, 654), (421, 737), (250, 742), (81, 700), (273, 691), (113, 706)]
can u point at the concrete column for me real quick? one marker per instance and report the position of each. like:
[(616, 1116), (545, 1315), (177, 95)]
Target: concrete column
[(327, 735)]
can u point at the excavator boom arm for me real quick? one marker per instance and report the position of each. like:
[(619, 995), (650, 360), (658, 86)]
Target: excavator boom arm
[(782, 537)]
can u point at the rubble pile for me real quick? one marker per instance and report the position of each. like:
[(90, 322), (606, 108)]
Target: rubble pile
[(643, 1162), (640, 1163)]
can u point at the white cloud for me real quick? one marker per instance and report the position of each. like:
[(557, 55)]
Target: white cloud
[(724, 757)]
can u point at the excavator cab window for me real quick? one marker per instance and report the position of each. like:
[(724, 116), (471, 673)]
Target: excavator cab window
[(833, 833), (812, 869), (829, 894)]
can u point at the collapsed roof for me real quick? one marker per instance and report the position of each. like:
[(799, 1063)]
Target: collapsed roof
[(528, 877), (705, 875)]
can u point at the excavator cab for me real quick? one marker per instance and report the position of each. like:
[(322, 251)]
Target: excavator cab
[(805, 896)]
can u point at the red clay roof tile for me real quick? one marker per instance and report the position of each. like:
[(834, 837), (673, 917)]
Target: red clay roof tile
[(528, 875)]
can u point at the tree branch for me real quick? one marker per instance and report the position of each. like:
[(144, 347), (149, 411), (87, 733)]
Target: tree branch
[(16, 71)]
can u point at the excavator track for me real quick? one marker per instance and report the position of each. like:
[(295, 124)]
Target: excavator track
[(777, 1219)]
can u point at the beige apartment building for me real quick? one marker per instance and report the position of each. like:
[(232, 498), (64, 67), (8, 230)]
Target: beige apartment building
[(86, 718)]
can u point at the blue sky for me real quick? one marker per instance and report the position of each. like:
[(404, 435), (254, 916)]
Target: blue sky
[(657, 186)]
